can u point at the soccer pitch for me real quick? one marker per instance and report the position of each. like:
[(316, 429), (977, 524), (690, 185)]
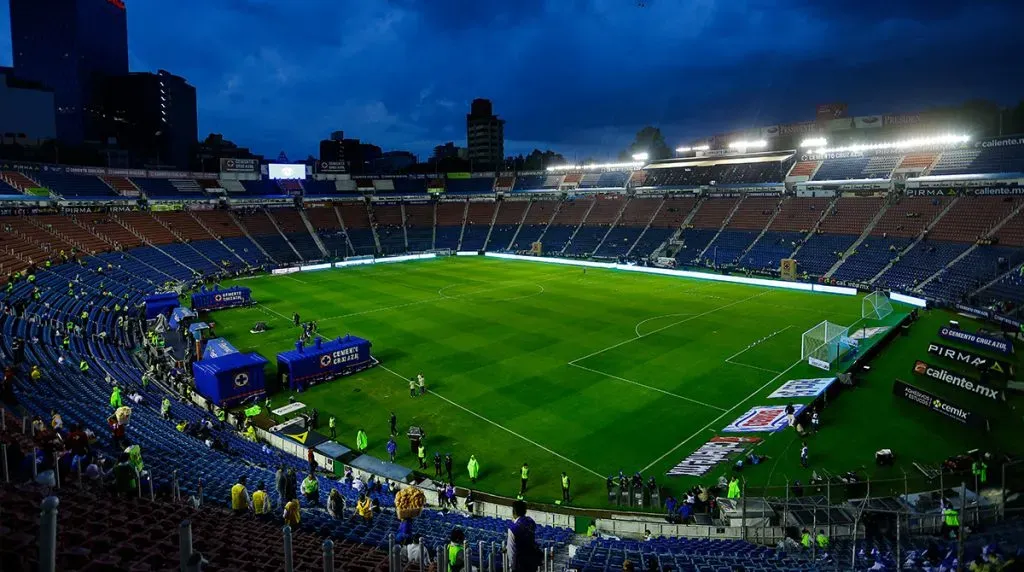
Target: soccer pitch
[(586, 373)]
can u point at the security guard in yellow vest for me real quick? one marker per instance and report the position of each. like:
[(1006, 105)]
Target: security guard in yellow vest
[(239, 497), (421, 454), (980, 470), (260, 501), (822, 539), (951, 520), (565, 487), (805, 538), (524, 477), (456, 551)]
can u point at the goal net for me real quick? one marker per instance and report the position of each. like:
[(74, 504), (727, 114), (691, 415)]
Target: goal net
[(875, 306), (823, 344)]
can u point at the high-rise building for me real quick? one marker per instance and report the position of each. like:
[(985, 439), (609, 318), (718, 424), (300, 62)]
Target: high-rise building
[(153, 116), (26, 111), (485, 134), (71, 46)]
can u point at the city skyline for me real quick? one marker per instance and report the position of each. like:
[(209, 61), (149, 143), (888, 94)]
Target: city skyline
[(576, 77)]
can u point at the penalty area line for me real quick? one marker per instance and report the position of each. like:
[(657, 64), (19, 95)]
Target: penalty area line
[(499, 426), (637, 383), (719, 418)]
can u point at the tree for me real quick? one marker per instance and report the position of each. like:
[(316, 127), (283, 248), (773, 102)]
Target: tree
[(539, 160), (648, 140)]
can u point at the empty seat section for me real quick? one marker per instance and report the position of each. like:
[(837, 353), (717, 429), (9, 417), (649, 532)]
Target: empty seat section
[(357, 223), (924, 259), (529, 182), (909, 216), (327, 224), (979, 267), (389, 226), (506, 222), (870, 257), (635, 217), (973, 218), (564, 223), (595, 227), (75, 186), (478, 223), (449, 224), (419, 226), (534, 223), (291, 224), (262, 230), (470, 186)]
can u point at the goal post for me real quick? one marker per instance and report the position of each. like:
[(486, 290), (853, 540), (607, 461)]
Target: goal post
[(875, 306), (822, 345)]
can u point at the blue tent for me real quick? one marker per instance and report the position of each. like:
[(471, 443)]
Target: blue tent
[(229, 380), (157, 304)]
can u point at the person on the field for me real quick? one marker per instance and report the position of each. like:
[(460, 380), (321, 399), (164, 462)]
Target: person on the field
[(392, 449), (448, 466), (524, 477), (412, 387), (295, 319), (565, 488), (473, 466), (803, 455), (421, 384), (421, 454), (393, 423), (437, 465), (361, 441), (332, 424)]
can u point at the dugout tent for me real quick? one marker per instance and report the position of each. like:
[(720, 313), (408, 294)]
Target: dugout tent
[(218, 299), (324, 360), (181, 315), (160, 304), (229, 380)]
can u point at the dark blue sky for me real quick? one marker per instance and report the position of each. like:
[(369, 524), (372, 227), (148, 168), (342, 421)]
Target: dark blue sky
[(577, 76)]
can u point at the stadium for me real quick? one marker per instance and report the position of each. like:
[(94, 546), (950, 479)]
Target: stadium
[(789, 348)]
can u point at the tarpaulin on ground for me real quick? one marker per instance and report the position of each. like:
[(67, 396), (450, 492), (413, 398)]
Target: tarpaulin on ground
[(179, 315), (160, 304), (762, 419), (218, 347), (229, 380), (218, 299), (802, 388), (324, 360), (717, 450), (305, 437)]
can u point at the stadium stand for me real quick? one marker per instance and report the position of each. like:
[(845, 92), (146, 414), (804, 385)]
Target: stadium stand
[(356, 218), (470, 186), (389, 224), (290, 222), (635, 217), (263, 230), (565, 222), (73, 187), (506, 223), (709, 218), (419, 226), (535, 222), (450, 216), (598, 223), (529, 183), (327, 223), (478, 224)]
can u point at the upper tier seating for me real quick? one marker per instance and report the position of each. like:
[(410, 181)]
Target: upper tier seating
[(799, 214), (909, 216), (529, 182), (75, 186), (994, 159), (471, 186), (974, 219), (850, 215)]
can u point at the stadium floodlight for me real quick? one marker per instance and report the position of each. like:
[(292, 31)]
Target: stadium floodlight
[(759, 144), (905, 144), (875, 306), (702, 148), (597, 166), (642, 156), (814, 142), (683, 149)]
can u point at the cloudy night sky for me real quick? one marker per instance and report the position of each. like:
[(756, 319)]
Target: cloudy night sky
[(576, 76)]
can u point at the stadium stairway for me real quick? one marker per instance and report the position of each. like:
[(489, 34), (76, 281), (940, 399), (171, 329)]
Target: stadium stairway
[(915, 242), (312, 232), (288, 241), (490, 227), (245, 231), (148, 241), (725, 223), (860, 240)]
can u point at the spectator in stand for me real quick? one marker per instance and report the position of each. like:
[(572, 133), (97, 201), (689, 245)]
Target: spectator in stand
[(521, 543), (36, 374), (78, 441), (456, 552), (336, 505), (311, 489), (414, 552), (292, 516), (240, 503), (363, 507), (261, 501)]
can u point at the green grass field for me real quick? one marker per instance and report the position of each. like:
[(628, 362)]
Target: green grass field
[(593, 373)]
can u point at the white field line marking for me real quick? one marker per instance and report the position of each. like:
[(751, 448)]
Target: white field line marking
[(636, 329), (719, 418), (272, 311), (752, 366), (663, 328), (499, 426), (290, 277), (676, 395)]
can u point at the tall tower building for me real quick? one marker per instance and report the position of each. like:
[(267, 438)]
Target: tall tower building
[(153, 115), (71, 46), (485, 134)]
